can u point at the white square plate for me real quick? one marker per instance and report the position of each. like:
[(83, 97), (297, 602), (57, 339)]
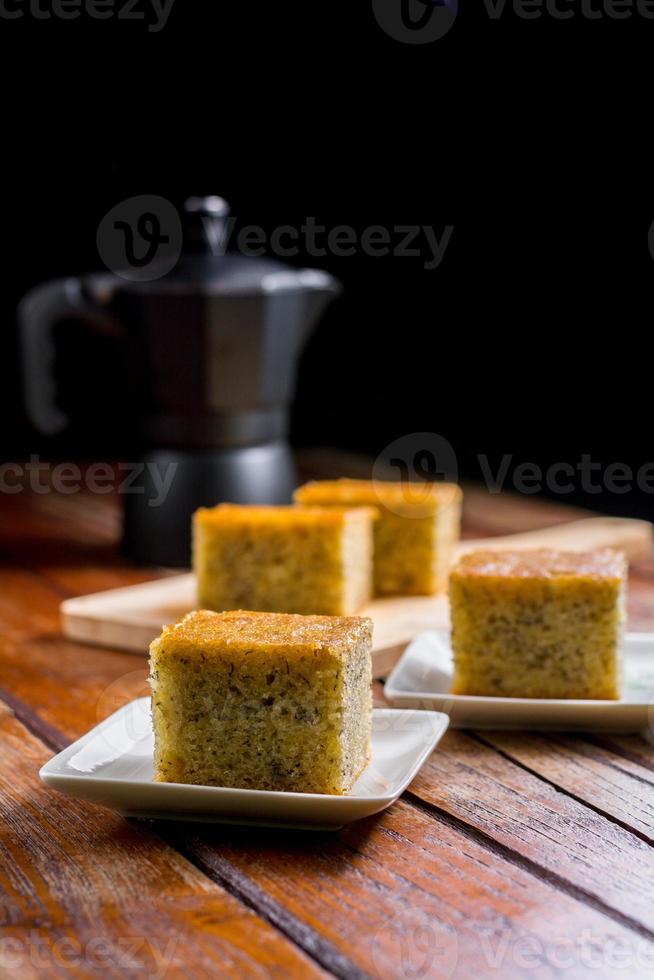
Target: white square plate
[(112, 765), (423, 676)]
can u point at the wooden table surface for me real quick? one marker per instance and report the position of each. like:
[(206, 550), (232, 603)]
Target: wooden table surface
[(511, 854)]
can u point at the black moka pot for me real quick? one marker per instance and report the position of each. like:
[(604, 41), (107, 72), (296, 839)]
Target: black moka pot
[(212, 351)]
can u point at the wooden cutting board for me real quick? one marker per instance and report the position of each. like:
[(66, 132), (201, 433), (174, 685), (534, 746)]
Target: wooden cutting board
[(129, 618)]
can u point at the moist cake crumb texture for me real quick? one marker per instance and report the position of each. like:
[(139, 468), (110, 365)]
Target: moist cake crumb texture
[(262, 701), (541, 623), (415, 535), (283, 559)]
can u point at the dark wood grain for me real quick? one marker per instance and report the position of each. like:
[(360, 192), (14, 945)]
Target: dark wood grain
[(618, 788), (411, 866), (288, 884), (635, 750), (82, 888), (511, 855), (551, 829)]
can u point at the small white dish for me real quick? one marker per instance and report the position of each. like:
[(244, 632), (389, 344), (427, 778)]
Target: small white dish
[(112, 765), (423, 676)]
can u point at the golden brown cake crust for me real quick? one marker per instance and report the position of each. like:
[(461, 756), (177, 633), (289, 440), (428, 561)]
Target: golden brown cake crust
[(542, 563), (211, 631), (292, 516), (425, 497)]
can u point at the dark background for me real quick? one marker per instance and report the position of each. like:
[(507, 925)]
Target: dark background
[(532, 138)]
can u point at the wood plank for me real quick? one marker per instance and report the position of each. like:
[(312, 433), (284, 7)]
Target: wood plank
[(359, 875), (83, 890), (70, 541), (615, 787), (368, 890), (244, 865), (633, 538), (634, 751), (513, 513), (406, 879), (566, 839), (55, 677)]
